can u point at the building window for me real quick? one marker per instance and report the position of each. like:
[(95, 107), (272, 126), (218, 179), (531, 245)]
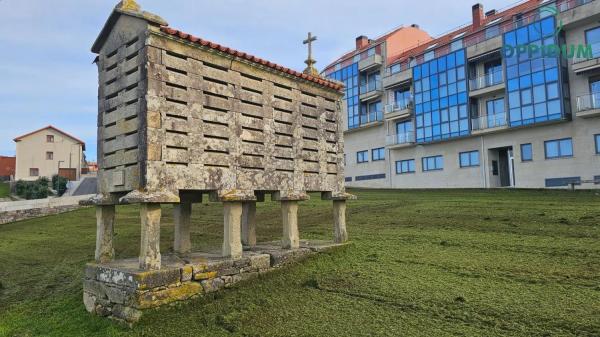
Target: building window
[(492, 31), (396, 68), (378, 154), (456, 45), (592, 38), (526, 152), (362, 156), (405, 166), (532, 79), (349, 76), (49, 139), (34, 172), (403, 98), (561, 148), (429, 56), (495, 113), (469, 159), (371, 52), (597, 139), (441, 98), (433, 163), (49, 155)]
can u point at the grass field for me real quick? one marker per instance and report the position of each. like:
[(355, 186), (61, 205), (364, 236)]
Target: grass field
[(4, 190), (422, 263)]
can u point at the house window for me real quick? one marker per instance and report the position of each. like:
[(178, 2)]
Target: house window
[(469, 159), (362, 156), (560, 148), (429, 56), (371, 52), (492, 31), (34, 172), (378, 154), (592, 38), (405, 166), (526, 152), (49, 139), (495, 113), (49, 155), (432, 163), (597, 139)]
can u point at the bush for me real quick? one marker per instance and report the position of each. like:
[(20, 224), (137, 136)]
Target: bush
[(59, 184), (33, 189)]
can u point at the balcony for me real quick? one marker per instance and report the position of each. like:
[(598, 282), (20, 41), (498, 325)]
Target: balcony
[(371, 62), (586, 64), (486, 84), (489, 123), (400, 77), (371, 90), (400, 140), (573, 12), (397, 110), (588, 106)]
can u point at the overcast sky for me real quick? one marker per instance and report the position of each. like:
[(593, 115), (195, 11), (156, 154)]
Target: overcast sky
[(46, 70)]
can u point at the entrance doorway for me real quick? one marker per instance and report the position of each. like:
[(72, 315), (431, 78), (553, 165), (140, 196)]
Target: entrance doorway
[(503, 167)]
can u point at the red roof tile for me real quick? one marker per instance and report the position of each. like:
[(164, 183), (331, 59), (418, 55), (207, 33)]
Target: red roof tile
[(216, 46)]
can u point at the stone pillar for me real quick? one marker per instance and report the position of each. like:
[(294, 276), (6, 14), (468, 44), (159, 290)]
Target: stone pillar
[(291, 236), (150, 246), (339, 221), (249, 223), (182, 215), (105, 220), (232, 221)]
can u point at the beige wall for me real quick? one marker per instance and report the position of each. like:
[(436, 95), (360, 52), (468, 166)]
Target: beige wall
[(31, 153)]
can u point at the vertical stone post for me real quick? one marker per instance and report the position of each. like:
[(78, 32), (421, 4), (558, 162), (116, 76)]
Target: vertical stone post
[(232, 221), (182, 215), (105, 220), (150, 214), (291, 235), (249, 223), (339, 221)]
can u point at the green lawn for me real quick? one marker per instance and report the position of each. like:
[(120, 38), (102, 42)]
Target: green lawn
[(4, 190), (422, 263)]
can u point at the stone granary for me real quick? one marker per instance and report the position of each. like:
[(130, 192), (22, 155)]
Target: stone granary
[(181, 118)]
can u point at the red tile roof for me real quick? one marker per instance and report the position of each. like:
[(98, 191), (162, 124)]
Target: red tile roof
[(53, 128), (252, 58)]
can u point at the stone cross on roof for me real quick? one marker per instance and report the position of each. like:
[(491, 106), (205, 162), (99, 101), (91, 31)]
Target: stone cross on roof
[(310, 62)]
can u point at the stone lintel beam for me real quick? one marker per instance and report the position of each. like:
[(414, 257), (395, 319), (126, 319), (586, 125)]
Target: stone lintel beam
[(337, 196), (232, 195), (144, 197), (290, 196), (100, 200)]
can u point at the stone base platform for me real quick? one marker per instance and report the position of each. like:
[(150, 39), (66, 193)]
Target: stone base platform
[(120, 290)]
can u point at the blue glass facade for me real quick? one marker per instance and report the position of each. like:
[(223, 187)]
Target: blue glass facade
[(533, 79), (441, 98), (349, 76)]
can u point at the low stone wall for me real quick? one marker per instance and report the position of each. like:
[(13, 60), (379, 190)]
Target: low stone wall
[(26, 209), (121, 291)]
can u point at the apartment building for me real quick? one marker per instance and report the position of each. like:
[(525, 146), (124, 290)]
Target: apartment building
[(511, 99)]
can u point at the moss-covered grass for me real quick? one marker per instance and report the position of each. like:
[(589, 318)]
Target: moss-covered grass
[(422, 263), (4, 190)]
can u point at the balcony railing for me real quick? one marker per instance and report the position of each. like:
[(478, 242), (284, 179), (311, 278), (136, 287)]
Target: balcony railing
[(487, 80), (401, 138), (588, 102), (489, 121), (398, 106), (371, 86)]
